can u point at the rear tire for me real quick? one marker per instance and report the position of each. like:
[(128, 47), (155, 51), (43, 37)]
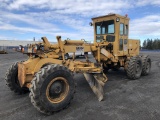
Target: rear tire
[(12, 81), (134, 68), (146, 62), (52, 89)]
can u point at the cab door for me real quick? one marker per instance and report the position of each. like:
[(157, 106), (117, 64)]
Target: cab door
[(123, 37), (125, 41)]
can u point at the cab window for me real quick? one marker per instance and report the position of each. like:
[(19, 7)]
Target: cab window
[(126, 30), (105, 27), (121, 29)]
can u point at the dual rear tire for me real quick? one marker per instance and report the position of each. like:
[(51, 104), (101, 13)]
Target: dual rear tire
[(137, 66), (146, 62)]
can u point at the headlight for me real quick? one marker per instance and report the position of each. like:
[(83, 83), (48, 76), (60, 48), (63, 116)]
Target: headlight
[(117, 19)]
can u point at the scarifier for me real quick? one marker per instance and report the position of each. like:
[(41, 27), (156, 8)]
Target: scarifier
[(50, 80)]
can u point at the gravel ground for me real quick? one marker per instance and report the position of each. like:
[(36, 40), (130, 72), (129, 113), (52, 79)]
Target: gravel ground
[(124, 99)]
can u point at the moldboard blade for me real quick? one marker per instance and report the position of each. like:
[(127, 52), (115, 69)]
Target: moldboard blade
[(95, 85)]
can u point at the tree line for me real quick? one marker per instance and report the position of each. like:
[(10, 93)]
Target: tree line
[(151, 44)]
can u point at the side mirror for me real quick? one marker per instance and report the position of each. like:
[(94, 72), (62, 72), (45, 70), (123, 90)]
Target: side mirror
[(91, 24)]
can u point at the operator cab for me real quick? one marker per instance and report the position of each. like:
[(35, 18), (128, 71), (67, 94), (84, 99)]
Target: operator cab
[(113, 29)]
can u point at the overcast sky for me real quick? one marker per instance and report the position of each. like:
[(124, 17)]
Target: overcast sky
[(25, 19)]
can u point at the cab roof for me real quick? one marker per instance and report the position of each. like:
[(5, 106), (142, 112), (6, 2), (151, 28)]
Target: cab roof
[(109, 15)]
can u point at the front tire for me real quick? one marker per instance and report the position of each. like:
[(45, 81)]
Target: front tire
[(12, 81), (52, 89), (134, 68)]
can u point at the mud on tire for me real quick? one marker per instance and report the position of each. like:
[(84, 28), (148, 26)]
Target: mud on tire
[(134, 68), (12, 81), (52, 89)]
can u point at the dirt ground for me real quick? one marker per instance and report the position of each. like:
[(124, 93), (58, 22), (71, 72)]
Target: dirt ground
[(124, 99)]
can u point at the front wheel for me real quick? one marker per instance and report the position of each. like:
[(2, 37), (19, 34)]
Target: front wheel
[(52, 89), (12, 81)]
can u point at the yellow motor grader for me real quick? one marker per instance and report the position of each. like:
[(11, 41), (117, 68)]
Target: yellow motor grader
[(50, 80)]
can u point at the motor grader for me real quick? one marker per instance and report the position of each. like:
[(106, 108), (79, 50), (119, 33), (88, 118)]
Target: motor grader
[(50, 80)]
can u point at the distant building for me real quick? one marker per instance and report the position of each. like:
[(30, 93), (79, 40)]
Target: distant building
[(9, 44)]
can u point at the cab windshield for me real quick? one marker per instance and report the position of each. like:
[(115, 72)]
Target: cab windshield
[(105, 27)]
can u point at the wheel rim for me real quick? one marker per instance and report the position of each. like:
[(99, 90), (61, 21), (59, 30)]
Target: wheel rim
[(57, 90)]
